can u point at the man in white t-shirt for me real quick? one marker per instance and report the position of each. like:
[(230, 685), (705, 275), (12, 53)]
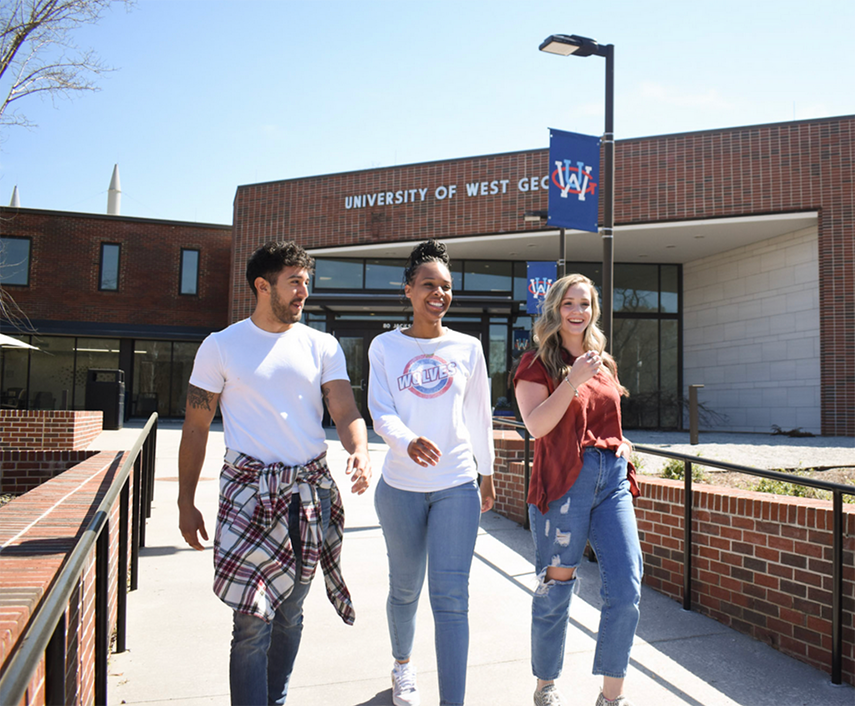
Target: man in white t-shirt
[(280, 512)]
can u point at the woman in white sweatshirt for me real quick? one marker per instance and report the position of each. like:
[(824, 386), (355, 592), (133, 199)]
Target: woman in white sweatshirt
[(430, 401)]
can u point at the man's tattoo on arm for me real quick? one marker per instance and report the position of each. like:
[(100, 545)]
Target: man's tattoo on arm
[(199, 398), (325, 393)]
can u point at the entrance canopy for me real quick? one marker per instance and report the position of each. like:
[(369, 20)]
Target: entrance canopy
[(666, 242)]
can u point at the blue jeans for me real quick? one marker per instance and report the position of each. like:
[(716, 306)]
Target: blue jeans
[(438, 529), (597, 508), (263, 654)]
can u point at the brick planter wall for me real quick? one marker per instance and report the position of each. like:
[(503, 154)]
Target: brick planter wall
[(24, 470), (30, 562), (508, 474), (761, 563), (49, 429)]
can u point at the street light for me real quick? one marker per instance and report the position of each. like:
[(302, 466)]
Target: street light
[(565, 45)]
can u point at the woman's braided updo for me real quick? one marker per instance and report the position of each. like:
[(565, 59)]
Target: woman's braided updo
[(428, 251)]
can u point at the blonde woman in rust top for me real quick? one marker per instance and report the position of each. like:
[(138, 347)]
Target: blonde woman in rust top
[(581, 489)]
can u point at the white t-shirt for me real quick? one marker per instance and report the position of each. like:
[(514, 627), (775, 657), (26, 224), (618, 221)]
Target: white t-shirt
[(436, 388), (270, 388)]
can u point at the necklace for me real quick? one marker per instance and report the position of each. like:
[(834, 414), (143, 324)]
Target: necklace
[(424, 352)]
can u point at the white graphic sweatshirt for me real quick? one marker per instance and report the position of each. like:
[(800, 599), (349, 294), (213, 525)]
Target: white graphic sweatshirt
[(436, 388)]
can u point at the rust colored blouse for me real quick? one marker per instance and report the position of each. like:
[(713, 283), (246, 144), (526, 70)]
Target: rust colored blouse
[(592, 419)]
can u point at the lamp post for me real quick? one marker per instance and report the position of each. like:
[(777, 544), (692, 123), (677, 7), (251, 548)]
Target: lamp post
[(565, 45)]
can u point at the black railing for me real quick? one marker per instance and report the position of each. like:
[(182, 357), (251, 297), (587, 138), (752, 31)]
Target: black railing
[(45, 632), (837, 490)]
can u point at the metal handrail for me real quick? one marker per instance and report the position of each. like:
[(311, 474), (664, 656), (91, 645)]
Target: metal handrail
[(47, 626), (838, 490)]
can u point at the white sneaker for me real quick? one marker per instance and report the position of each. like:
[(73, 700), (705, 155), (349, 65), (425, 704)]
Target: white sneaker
[(404, 689)]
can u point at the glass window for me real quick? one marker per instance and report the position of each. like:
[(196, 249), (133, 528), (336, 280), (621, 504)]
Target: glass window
[(520, 282), (109, 279), (636, 288), (14, 363), (152, 379), (338, 274), (456, 276), (487, 276), (52, 373), (384, 274), (15, 261), (669, 399), (669, 299), (98, 353), (497, 365), (189, 272), (183, 355), (591, 270), (636, 350)]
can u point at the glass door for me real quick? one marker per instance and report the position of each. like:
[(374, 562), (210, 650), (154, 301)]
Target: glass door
[(356, 353)]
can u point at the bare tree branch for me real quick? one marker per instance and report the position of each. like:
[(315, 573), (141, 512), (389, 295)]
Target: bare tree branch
[(38, 55)]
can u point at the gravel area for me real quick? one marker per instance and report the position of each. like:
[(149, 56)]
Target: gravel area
[(770, 451)]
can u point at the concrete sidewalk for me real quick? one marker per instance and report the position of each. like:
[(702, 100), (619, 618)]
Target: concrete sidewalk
[(179, 632)]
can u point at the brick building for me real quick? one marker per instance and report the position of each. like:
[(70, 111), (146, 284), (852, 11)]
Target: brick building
[(109, 292), (734, 265), (734, 269)]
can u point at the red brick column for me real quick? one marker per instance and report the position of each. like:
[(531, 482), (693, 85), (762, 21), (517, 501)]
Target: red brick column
[(508, 474)]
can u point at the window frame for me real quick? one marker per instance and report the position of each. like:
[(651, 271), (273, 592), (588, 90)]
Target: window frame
[(29, 260), (101, 287), (195, 292)]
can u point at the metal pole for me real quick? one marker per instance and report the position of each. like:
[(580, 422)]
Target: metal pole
[(687, 537), (609, 197), (837, 590), (527, 476), (122, 569), (562, 252), (55, 657), (102, 613)]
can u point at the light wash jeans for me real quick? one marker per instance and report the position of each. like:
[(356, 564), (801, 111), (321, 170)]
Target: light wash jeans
[(437, 529), (597, 508), (263, 654)]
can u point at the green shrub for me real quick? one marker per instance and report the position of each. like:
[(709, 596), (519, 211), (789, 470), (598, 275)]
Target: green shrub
[(780, 487), (676, 470)]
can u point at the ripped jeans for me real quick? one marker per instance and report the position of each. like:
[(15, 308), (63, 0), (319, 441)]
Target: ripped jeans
[(598, 507)]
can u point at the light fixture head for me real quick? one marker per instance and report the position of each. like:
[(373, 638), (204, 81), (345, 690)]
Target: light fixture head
[(535, 216), (566, 44)]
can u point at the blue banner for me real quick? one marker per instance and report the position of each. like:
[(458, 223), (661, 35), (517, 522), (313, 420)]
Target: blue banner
[(540, 276), (521, 341), (574, 180)]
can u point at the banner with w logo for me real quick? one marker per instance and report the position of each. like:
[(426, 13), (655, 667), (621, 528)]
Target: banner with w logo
[(540, 276), (574, 180)]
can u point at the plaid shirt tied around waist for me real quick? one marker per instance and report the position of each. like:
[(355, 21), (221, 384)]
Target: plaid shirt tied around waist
[(254, 561)]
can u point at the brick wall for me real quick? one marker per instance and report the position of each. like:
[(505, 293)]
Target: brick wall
[(65, 256), (761, 563), (508, 474), (23, 470), (49, 429), (779, 168), (31, 558)]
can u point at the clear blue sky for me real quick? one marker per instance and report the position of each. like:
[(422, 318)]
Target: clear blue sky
[(212, 94)]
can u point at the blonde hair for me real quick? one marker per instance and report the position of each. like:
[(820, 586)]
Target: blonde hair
[(546, 332)]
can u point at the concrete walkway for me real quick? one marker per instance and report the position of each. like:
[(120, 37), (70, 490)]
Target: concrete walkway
[(179, 632)]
